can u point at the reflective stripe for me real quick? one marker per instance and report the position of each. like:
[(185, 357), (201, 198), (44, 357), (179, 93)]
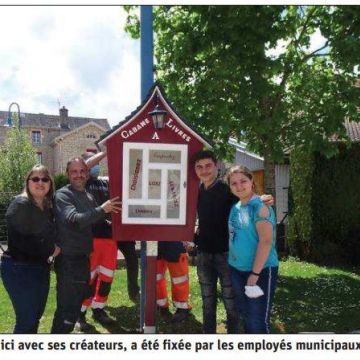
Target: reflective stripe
[(180, 279), (181, 305), (97, 305), (159, 277), (268, 302), (106, 271), (161, 302), (93, 273)]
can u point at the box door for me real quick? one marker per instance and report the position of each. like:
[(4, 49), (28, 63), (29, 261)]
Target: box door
[(154, 183)]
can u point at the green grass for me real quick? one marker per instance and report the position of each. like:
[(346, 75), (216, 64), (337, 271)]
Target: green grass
[(316, 299), (309, 298)]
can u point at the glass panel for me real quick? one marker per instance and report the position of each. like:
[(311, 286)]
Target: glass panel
[(165, 156), (173, 195), (144, 211), (154, 184), (135, 174)]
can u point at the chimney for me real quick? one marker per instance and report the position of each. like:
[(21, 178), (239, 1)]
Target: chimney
[(64, 118)]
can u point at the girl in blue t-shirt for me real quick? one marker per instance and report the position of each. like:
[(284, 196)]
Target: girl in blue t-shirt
[(252, 255)]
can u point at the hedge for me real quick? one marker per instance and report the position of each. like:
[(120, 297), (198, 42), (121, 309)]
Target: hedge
[(324, 217)]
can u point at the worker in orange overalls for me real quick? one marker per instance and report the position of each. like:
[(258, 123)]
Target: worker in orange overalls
[(173, 256)]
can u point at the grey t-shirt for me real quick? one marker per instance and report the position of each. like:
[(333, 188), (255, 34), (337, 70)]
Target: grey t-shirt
[(75, 213)]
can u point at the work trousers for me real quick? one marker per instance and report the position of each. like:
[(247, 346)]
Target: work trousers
[(210, 269), (179, 276), (28, 286), (103, 261), (72, 276)]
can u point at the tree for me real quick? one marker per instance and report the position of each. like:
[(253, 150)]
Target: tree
[(17, 157), (251, 72)]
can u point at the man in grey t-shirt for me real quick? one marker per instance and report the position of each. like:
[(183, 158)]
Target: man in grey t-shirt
[(75, 212)]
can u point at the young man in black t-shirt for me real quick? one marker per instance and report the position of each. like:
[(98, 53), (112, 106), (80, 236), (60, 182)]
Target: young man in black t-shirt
[(214, 204)]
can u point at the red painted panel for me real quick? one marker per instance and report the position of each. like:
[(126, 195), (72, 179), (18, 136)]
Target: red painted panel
[(142, 130)]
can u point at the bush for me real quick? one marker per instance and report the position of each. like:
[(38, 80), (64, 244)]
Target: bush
[(300, 212), (17, 157), (336, 206), (60, 181), (5, 199), (325, 211)]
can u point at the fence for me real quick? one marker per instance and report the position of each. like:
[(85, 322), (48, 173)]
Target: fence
[(5, 198)]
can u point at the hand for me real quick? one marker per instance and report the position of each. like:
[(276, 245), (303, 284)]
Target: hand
[(51, 258), (112, 205), (188, 245), (56, 251), (267, 199), (252, 280)]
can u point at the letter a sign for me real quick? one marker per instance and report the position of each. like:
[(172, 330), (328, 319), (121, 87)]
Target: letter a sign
[(155, 136)]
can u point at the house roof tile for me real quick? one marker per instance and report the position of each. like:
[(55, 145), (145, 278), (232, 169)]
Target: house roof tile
[(52, 121), (352, 130)]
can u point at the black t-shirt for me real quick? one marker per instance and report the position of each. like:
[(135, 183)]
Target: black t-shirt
[(99, 189), (31, 231), (214, 204), (170, 250)]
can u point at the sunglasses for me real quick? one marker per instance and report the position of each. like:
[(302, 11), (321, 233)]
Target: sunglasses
[(42, 179)]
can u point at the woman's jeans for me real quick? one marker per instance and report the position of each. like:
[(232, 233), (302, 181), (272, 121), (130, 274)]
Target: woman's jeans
[(255, 312), (28, 286)]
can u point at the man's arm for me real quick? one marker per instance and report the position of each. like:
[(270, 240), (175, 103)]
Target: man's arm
[(66, 210), (94, 160)]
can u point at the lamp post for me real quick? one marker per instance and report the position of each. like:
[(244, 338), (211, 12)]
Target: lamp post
[(9, 121)]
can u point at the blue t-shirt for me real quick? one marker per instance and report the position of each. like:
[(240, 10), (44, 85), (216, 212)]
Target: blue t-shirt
[(243, 237)]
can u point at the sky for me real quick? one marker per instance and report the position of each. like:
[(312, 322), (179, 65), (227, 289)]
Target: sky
[(78, 57)]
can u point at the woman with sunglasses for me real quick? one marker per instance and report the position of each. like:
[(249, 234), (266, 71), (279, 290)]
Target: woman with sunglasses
[(25, 266)]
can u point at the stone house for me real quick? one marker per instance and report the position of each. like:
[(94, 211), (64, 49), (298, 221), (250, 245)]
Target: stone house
[(57, 138)]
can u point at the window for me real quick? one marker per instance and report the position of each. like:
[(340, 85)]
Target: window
[(36, 137), (39, 157), (91, 136)]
